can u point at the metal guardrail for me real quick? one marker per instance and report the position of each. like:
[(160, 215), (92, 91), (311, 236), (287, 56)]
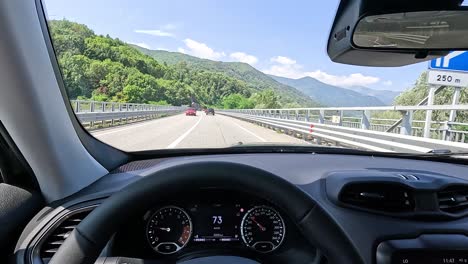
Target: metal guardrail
[(94, 111), (359, 132)]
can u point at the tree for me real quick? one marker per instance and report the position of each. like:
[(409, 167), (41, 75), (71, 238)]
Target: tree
[(266, 99), (74, 68), (237, 101), (151, 90), (69, 37), (133, 94), (100, 48), (176, 92)]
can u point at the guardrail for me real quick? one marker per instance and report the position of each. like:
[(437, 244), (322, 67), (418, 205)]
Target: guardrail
[(90, 112), (360, 130)]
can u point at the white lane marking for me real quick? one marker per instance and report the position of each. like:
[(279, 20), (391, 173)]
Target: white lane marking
[(250, 132), (102, 133), (179, 139)]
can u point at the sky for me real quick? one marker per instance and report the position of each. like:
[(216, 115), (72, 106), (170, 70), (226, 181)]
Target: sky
[(284, 38)]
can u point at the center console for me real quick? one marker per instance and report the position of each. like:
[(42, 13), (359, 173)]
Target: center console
[(425, 249)]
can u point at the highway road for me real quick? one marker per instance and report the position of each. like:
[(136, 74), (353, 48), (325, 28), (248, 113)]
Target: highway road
[(182, 131)]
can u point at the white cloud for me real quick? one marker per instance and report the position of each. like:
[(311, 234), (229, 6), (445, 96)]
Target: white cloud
[(354, 79), (141, 44), (289, 71), (200, 50), (283, 60), (387, 83), (244, 57), (156, 32), (287, 67)]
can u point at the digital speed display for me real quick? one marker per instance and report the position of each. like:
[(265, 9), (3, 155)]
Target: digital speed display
[(216, 222)]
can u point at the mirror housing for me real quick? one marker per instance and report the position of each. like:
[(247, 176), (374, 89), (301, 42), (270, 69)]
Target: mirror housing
[(342, 49)]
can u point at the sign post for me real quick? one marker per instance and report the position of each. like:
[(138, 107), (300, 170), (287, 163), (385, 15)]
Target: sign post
[(428, 122), (451, 70)]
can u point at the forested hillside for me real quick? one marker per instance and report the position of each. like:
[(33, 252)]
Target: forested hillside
[(107, 69), (255, 79)]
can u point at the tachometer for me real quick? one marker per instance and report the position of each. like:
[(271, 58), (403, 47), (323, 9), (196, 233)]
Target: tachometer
[(169, 229), (262, 229)]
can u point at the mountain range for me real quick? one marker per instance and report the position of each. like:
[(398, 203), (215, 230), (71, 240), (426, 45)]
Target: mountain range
[(329, 95), (385, 96), (305, 91)]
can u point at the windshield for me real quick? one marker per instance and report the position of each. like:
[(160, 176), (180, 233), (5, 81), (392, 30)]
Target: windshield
[(149, 75)]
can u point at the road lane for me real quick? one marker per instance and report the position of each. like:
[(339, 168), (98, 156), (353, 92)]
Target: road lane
[(187, 133), (182, 131), (155, 134)]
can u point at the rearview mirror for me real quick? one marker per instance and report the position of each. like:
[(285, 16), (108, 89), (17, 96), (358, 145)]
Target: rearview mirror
[(413, 30), (389, 33)]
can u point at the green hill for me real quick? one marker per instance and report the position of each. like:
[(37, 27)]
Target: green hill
[(255, 79), (103, 68)]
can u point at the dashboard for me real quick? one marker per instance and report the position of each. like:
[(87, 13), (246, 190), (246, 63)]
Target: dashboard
[(390, 210), (206, 222)]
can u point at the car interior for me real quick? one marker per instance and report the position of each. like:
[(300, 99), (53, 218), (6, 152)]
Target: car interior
[(68, 197)]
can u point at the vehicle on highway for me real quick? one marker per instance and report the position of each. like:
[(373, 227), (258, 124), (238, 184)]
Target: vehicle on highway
[(354, 155), (210, 111), (191, 112)]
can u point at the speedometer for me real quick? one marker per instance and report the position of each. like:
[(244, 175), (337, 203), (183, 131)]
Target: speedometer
[(169, 229), (262, 229)]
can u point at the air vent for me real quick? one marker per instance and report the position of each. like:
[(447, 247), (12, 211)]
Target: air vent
[(408, 176), (454, 199), (385, 197), (58, 235)]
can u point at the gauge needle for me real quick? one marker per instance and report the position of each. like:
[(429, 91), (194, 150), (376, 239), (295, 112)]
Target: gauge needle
[(258, 224), (167, 229)]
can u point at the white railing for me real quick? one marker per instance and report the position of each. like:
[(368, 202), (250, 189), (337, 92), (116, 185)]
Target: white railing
[(90, 112), (360, 130)]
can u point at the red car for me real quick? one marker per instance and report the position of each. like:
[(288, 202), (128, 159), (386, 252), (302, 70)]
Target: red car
[(191, 112)]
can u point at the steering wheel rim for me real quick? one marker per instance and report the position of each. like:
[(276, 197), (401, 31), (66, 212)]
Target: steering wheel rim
[(85, 243)]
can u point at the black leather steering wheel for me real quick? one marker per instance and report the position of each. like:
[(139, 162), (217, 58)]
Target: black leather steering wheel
[(85, 243)]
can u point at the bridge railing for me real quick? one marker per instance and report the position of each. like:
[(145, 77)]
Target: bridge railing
[(90, 112), (354, 126)]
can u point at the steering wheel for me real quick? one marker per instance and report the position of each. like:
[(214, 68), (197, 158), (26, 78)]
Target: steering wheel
[(86, 242)]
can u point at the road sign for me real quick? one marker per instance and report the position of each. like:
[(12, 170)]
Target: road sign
[(448, 78), (451, 70), (454, 61)]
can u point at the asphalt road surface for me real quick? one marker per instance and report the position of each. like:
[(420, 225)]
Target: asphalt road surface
[(180, 131)]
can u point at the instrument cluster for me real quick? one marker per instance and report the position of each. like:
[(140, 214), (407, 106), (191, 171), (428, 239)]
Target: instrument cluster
[(171, 227)]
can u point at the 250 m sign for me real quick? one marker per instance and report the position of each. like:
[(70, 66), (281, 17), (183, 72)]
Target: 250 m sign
[(448, 78)]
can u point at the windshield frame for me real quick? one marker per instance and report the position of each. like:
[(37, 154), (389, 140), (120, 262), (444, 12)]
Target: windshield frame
[(98, 148), (108, 156)]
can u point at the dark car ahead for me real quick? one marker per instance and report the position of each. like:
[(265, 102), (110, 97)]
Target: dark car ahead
[(210, 111)]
